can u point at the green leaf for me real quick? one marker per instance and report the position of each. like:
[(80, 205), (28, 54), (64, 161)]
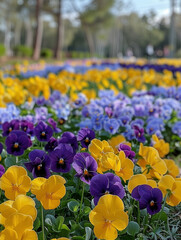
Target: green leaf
[(65, 227), (88, 231), (78, 238), (58, 224), (161, 215), (40, 236), (36, 223), (86, 210), (133, 228), (50, 220), (73, 206), (10, 161)]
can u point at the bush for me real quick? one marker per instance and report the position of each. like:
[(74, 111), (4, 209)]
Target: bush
[(46, 53), (23, 51), (2, 50)]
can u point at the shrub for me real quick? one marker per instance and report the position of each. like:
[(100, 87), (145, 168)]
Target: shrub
[(23, 51), (2, 50), (46, 53)]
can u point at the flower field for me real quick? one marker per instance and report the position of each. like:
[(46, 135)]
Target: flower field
[(90, 150)]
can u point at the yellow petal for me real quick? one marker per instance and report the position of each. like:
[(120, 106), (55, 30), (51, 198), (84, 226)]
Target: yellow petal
[(8, 234), (166, 182), (29, 235), (36, 184), (136, 180), (19, 222)]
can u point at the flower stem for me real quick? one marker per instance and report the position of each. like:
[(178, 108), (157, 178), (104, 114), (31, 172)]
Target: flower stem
[(145, 224), (138, 212), (42, 223), (16, 159), (82, 197)]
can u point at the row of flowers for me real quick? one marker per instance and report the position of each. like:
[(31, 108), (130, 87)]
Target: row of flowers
[(78, 166)]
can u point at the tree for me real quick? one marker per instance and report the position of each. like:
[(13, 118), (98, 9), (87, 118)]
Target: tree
[(39, 30)]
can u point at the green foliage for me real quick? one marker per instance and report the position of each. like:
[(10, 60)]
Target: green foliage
[(23, 51), (2, 50), (46, 53)]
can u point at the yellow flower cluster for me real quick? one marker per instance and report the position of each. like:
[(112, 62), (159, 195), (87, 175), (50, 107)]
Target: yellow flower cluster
[(12, 89), (17, 217), (108, 159)]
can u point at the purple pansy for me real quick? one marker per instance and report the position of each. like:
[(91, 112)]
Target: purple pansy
[(2, 170), (39, 164), (43, 132), (61, 158), (139, 133), (85, 166), (148, 197), (127, 150), (69, 138), (1, 147), (51, 145), (8, 127), (17, 142), (27, 127), (85, 135), (54, 125), (106, 183)]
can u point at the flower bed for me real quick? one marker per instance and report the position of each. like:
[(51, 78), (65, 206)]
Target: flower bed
[(90, 152)]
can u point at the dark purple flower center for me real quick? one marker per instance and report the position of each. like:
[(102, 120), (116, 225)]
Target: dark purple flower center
[(61, 161), (43, 134), (61, 121), (152, 203), (39, 167), (16, 145)]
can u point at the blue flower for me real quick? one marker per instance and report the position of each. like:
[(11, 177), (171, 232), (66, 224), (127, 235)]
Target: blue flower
[(111, 125)]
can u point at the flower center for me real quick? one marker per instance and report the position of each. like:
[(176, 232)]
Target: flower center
[(111, 128), (87, 140), (61, 161), (107, 221), (43, 134), (139, 134), (16, 145), (25, 128), (152, 203), (61, 121), (10, 129), (86, 172), (14, 187), (39, 167), (106, 192), (49, 195)]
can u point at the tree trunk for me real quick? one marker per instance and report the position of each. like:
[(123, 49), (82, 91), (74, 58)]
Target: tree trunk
[(29, 33), (59, 32), (90, 41), (39, 30)]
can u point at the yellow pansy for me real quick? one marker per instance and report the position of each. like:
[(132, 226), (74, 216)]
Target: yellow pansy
[(49, 191), (108, 217), (22, 204), (15, 182), (151, 163), (161, 146), (126, 167), (173, 169), (98, 149), (140, 179), (168, 184), (116, 141)]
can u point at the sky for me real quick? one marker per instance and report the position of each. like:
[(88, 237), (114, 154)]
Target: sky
[(160, 7)]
